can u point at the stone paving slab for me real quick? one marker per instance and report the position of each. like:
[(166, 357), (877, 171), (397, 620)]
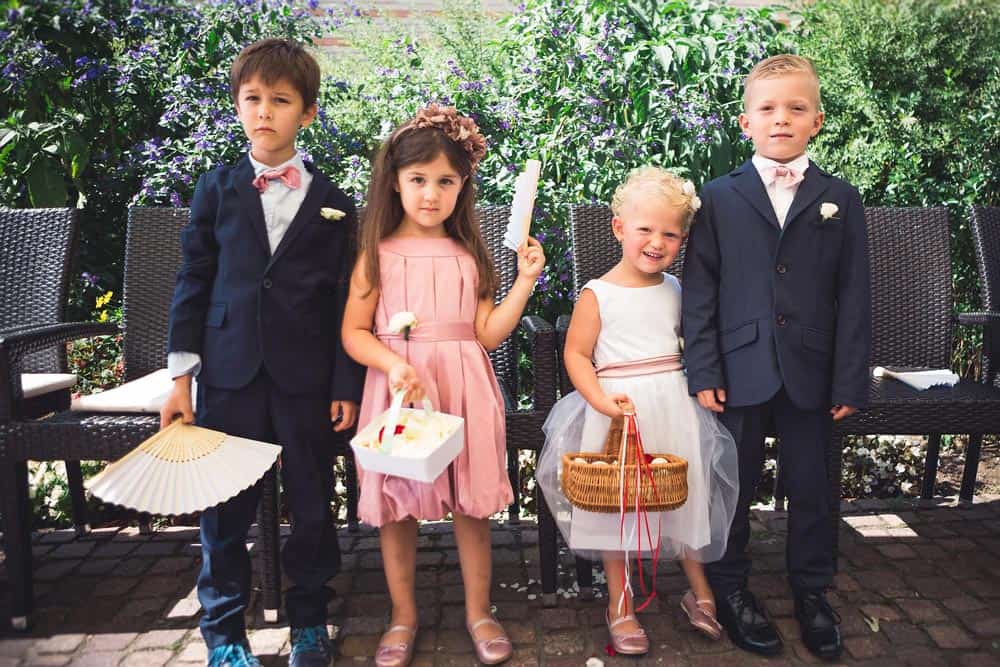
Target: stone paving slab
[(919, 584)]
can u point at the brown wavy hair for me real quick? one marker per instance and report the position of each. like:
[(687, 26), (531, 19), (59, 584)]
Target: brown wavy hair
[(384, 210)]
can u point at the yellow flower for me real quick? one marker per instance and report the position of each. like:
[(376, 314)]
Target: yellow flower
[(104, 299), (104, 316)]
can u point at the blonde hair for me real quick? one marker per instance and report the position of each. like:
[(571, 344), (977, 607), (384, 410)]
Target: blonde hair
[(656, 182), (782, 64)]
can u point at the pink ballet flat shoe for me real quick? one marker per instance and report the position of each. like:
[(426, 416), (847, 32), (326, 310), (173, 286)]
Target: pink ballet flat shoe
[(399, 654), (490, 651), (701, 614), (627, 643)]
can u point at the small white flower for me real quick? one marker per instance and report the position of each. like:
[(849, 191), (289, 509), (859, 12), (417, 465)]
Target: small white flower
[(828, 209), (594, 662), (331, 213), (403, 323), (695, 203), (688, 188)]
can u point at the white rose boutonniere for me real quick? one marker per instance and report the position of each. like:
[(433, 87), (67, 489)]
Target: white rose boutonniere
[(828, 210), (403, 323), (331, 213)]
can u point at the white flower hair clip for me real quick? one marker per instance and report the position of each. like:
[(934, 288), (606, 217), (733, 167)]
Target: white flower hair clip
[(690, 192)]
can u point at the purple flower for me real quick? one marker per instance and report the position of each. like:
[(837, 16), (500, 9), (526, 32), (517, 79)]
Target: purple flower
[(89, 278), (82, 61), (175, 199)]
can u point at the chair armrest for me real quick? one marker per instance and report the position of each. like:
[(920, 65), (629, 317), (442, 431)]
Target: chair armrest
[(981, 319), (541, 339), (16, 343), (562, 326)]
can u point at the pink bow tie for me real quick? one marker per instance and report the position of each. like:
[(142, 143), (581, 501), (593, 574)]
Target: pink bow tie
[(784, 176), (289, 175)]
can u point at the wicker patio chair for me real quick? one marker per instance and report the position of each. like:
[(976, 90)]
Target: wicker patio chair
[(152, 257), (36, 251), (985, 224)]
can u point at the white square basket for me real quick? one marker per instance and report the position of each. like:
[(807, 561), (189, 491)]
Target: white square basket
[(423, 464)]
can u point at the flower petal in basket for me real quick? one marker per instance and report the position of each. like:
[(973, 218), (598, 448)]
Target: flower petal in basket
[(184, 469)]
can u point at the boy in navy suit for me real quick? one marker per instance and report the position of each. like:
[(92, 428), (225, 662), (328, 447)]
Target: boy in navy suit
[(777, 329), (256, 315)]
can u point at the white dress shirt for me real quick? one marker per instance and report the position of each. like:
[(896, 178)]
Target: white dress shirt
[(781, 197), (280, 204)]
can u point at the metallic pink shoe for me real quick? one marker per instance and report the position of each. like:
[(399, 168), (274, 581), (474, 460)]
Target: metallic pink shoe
[(701, 614), (396, 655), (490, 651), (627, 643)]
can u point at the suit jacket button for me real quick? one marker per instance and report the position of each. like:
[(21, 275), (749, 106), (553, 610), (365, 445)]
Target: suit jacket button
[(781, 320), (267, 283), (781, 268)]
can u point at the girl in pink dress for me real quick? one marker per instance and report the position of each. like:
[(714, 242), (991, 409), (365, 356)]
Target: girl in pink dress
[(422, 253)]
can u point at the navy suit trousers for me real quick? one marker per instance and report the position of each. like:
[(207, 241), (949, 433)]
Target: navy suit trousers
[(311, 555), (804, 436)]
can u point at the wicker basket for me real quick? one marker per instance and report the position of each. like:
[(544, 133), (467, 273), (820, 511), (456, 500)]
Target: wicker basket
[(595, 488)]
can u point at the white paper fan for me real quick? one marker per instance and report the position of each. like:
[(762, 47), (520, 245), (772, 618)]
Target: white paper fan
[(523, 205), (184, 469)]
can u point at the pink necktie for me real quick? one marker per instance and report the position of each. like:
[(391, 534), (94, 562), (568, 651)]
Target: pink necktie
[(289, 175), (784, 176)]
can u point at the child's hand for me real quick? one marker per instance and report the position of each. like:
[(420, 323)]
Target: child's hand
[(713, 399), (343, 414), (178, 403), (611, 405), (838, 412), (530, 259), (403, 377)]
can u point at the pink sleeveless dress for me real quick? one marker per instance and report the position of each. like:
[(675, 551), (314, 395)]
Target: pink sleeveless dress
[(436, 280)]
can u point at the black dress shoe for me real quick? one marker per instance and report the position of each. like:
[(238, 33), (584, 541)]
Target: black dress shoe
[(747, 624), (819, 623)]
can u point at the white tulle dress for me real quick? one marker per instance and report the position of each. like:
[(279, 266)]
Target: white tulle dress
[(639, 325)]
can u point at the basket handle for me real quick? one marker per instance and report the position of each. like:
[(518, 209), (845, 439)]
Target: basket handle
[(392, 419), (617, 431)]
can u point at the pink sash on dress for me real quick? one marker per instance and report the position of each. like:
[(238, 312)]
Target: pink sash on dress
[(624, 369), (434, 332)]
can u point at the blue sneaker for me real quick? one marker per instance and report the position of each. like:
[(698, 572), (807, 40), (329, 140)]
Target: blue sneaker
[(232, 655), (311, 647)]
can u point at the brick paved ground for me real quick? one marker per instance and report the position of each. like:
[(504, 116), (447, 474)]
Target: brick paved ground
[(917, 586)]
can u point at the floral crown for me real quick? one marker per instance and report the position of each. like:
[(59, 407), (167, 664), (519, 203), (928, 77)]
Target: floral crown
[(460, 129)]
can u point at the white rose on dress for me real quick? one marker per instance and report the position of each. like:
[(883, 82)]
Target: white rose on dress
[(331, 213), (403, 323), (828, 209)]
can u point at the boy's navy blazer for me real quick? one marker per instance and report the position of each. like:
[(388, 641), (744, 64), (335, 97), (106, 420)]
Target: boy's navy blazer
[(765, 306), (240, 307)]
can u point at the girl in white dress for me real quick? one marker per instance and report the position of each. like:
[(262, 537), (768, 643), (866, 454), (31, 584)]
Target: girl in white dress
[(623, 345)]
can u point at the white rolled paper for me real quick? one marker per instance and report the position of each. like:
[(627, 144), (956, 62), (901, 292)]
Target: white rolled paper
[(919, 380), (523, 204)]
